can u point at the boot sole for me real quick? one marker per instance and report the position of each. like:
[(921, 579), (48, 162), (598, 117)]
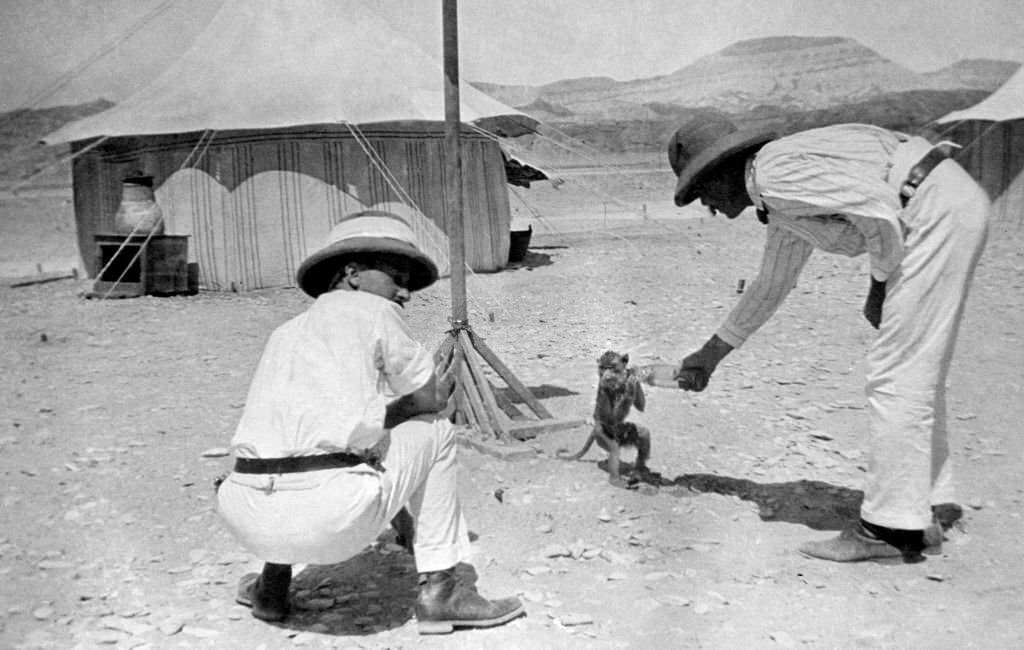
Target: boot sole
[(448, 626)]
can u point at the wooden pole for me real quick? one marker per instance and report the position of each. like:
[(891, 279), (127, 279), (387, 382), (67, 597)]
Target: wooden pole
[(453, 165), (476, 403)]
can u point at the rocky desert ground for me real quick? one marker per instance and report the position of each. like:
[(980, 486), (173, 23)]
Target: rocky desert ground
[(115, 413)]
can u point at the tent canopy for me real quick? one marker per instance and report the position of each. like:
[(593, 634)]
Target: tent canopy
[(1006, 103), (281, 64)]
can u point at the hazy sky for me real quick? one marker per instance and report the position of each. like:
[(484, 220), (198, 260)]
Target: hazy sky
[(45, 43)]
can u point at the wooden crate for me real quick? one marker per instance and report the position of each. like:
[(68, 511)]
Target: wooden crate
[(131, 266)]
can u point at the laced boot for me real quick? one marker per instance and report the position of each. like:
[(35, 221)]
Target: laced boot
[(444, 603), (266, 593)]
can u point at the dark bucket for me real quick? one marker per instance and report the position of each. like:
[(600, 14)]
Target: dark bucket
[(519, 242)]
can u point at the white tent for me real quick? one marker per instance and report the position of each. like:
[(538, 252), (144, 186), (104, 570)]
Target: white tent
[(992, 134), (280, 118), (262, 64)]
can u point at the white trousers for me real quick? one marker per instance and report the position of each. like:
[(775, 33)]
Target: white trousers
[(328, 516), (909, 467)]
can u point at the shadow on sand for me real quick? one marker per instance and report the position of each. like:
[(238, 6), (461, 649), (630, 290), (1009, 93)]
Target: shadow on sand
[(371, 593), (543, 391), (815, 504), (530, 261)]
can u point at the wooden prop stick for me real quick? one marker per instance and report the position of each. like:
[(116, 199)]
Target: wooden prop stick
[(506, 404), (498, 418), (476, 402), (506, 374)]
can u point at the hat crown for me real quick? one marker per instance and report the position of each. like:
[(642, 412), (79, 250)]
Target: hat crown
[(372, 223), (698, 134)]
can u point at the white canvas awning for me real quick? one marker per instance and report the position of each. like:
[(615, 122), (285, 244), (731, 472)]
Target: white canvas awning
[(263, 64), (1006, 103)]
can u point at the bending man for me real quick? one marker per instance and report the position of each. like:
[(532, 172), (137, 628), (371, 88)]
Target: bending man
[(852, 189)]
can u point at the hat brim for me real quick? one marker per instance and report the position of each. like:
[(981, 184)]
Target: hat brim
[(725, 147), (318, 270)]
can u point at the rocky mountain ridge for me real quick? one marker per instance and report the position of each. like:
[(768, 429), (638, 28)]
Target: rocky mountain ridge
[(789, 72)]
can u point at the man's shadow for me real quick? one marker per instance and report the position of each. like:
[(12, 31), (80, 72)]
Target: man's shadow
[(370, 593), (815, 504)]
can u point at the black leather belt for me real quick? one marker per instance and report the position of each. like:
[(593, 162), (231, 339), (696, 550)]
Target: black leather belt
[(293, 464), (920, 171)]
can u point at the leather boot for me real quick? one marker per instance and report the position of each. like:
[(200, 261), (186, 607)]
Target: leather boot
[(444, 603), (266, 593)]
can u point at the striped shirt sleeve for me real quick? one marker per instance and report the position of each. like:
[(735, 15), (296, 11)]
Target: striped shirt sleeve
[(784, 257)]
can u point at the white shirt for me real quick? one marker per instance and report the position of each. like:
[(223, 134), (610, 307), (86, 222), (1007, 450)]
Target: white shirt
[(827, 188), (327, 375)]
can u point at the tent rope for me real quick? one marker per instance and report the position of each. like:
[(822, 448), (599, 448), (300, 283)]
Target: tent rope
[(438, 240), (104, 50), (62, 161)]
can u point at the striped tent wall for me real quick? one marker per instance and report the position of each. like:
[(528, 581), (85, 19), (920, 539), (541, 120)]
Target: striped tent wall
[(993, 154), (256, 203)]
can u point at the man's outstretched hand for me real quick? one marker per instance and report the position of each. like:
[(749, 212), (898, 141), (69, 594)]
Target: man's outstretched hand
[(696, 369), (693, 373)]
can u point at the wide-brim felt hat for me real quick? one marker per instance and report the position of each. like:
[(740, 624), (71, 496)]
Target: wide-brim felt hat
[(704, 142), (370, 231)]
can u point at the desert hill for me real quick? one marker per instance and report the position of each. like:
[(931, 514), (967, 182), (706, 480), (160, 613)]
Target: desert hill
[(21, 154), (788, 72), (979, 74)]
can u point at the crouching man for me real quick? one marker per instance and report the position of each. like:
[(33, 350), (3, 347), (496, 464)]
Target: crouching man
[(341, 432)]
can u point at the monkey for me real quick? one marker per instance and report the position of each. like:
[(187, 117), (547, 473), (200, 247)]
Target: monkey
[(618, 390)]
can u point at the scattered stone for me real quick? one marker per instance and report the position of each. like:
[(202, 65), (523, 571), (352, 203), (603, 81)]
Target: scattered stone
[(42, 613), (105, 637), (674, 600), (135, 628), (936, 577), (537, 570), (199, 632), (171, 626), (604, 516), (55, 565), (574, 619), (533, 596), (544, 529), (303, 638), (618, 575), (556, 550), (783, 639)]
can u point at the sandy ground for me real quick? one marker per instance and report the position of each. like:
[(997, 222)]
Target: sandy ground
[(108, 535)]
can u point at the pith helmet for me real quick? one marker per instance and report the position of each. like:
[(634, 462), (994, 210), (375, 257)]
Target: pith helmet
[(371, 231)]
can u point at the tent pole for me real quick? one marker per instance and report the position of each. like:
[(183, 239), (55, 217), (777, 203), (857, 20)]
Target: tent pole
[(476, 399), (453, 165)]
